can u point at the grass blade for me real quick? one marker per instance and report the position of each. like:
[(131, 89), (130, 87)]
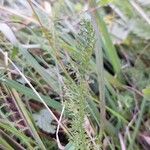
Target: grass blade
[(31, 95), (100, 72), (106, 40)]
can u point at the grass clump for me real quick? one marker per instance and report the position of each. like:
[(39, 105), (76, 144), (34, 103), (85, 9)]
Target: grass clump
[(83, 66)]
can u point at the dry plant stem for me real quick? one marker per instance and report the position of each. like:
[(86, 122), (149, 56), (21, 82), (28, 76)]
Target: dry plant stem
[(129, 88), (57, 137), (100, 69), (23, 76), (140, 11), (122, 143), (127, 133)]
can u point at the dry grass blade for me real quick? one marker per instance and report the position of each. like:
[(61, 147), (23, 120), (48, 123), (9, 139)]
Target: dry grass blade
[(123, 147), (57, 137)]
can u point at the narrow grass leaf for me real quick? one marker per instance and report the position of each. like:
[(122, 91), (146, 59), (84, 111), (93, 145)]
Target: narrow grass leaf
[(4, 144), (107, 42), (31, 95)]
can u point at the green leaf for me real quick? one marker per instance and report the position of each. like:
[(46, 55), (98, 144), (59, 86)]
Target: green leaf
[(31, 95)]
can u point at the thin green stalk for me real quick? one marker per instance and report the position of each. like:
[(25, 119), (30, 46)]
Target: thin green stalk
[(100, 69)]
